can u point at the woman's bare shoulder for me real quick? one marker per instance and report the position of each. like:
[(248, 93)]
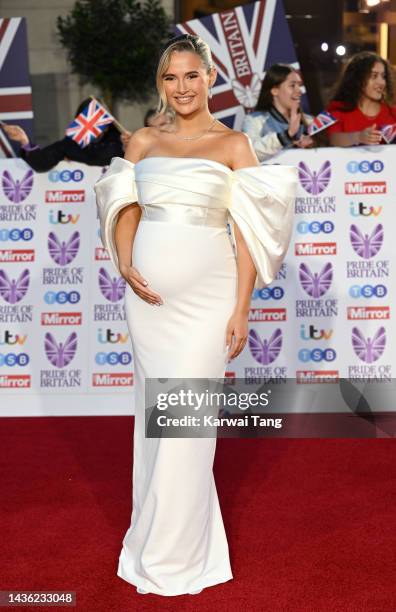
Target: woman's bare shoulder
[(140, 143), (241, 150)]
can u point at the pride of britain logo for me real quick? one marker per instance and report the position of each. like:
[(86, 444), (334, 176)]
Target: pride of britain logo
[(113, 289), (63, 252), (60, 354), (13, 290), (265, 351), (314, 181), (17, 190), (369, 349), (366, 245), (316, 284)]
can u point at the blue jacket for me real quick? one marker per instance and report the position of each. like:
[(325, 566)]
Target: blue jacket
[(268, 132)]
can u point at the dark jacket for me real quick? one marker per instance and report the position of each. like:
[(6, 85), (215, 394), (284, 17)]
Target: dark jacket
[(98, 153)]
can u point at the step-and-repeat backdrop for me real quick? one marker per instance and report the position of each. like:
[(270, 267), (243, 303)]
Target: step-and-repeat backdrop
[(64, 346)]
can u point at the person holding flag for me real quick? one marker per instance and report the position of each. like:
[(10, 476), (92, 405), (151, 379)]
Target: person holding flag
[(363, 103), (277, 122), (92, 138)]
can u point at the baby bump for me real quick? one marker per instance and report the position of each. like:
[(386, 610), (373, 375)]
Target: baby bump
[(176, 258)]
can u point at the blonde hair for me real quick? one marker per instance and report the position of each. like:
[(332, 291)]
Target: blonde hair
[(185, 42)]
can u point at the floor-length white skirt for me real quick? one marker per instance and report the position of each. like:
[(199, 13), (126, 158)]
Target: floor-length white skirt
[(176, 542)]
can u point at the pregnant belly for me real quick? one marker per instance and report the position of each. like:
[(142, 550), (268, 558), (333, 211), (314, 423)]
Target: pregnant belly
[(176, 258)]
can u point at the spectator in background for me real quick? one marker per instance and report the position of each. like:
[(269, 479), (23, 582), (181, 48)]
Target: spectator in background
[(362, 102), (153, 119), (277, 122), (99, 153)]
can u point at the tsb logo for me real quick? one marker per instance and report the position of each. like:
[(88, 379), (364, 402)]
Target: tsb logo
[(317, 355), (315, 227), (16, 234), (365, 166), (65, 176), (268, 293), (368, 291), (62, 297), (11, 359), (113, 358)]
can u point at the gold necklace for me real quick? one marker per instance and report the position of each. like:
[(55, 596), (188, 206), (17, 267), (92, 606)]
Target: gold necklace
[(196, 137)]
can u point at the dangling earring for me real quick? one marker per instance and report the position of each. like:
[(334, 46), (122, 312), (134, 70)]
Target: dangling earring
[(210, 92)]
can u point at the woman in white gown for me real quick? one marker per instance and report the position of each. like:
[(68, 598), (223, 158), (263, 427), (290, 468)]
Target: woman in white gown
[(163, 212)]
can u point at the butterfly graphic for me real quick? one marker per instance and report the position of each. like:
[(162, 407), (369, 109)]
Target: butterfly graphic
[(60, 355), (314, 283), (17, 191), (63, 252), (14, 290), (314, 182), (265, 352), (247, 95), (113, 289), (368, 350), (364, 245)]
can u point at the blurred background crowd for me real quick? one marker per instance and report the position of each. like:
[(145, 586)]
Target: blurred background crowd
[(345, 52)]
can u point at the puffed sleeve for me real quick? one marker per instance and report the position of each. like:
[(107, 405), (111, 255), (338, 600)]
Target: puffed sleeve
[(115, 190), (262, 206)]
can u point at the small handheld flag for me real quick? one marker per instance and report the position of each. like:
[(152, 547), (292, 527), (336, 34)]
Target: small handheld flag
[(388, 132), (321, 122), (89, 124)]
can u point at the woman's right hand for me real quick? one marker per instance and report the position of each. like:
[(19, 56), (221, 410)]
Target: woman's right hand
[(294, 121), (370, 136), (139, 285)]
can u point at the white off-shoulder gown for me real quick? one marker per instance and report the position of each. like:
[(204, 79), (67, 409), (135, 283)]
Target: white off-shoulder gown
[(176, 542)]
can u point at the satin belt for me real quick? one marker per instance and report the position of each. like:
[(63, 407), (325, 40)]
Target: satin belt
[(183, 213)]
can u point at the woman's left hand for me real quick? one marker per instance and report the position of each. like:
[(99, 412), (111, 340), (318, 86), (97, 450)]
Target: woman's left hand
[(237, 333), (15, 132), (304, 142), (125, 138)]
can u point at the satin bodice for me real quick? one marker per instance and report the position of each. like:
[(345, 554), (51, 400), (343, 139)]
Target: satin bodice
[(189, 182), (258, 199)]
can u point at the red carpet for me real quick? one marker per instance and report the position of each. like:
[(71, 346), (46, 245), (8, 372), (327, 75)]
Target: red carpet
[(311, 524)]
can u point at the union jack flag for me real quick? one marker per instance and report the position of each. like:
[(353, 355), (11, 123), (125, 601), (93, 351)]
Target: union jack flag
[(388, 132), (15, 89), (89, 124), (244, 41), (321, 122)]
